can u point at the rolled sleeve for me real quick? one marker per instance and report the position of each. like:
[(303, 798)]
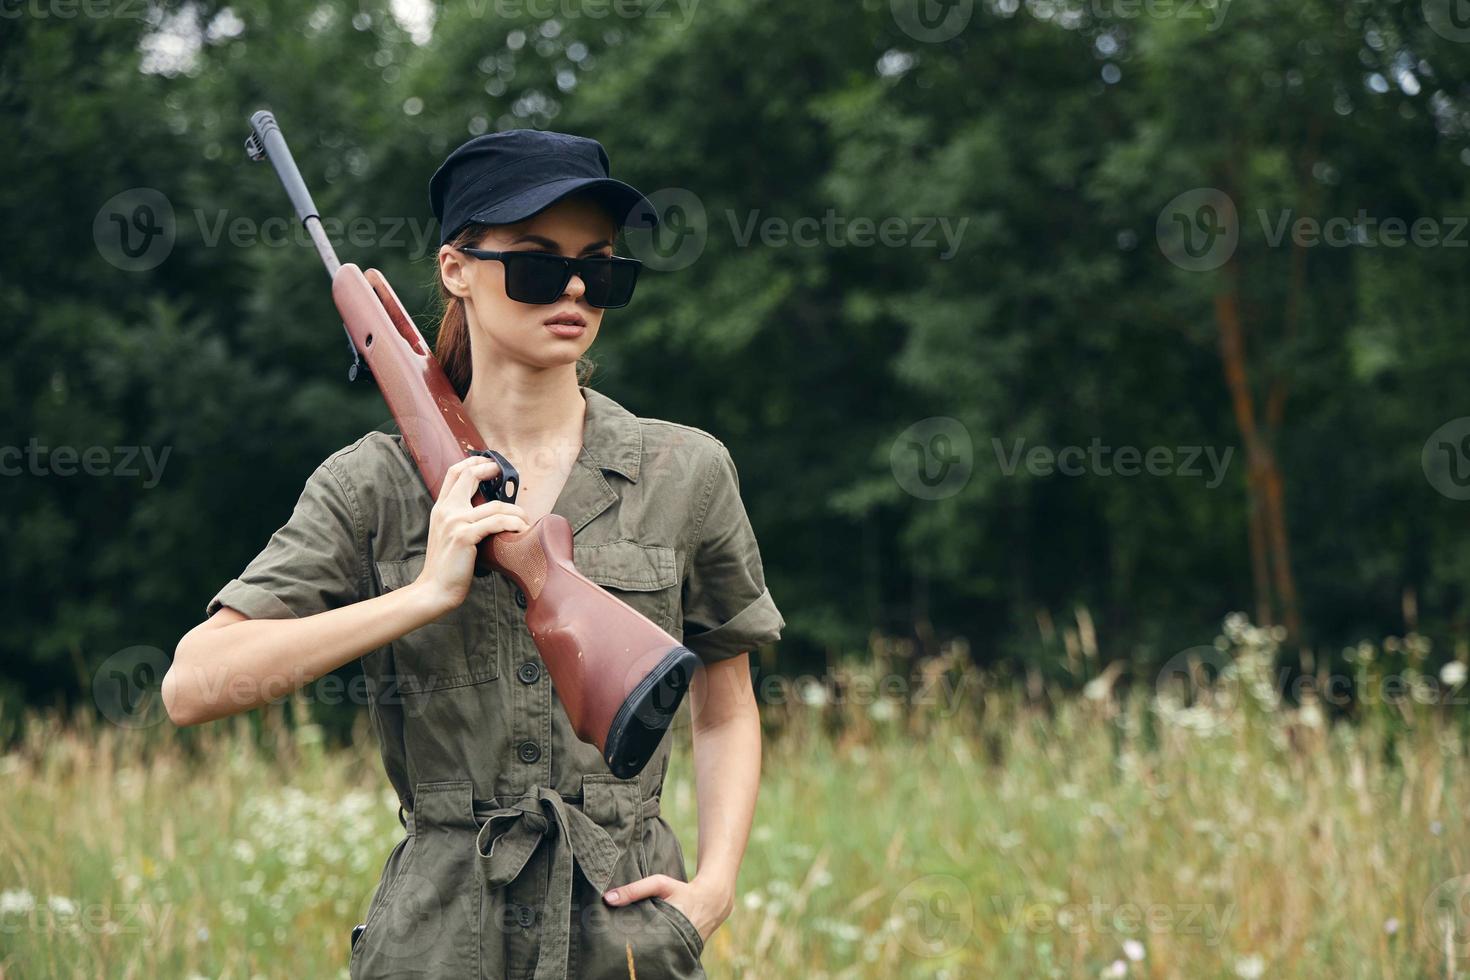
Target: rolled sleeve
[(310, 565), (727, 608)]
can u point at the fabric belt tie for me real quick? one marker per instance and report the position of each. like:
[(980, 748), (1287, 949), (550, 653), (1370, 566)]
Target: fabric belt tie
[(511, 835)]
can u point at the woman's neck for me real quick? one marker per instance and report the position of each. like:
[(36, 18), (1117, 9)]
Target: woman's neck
[(520, 410)]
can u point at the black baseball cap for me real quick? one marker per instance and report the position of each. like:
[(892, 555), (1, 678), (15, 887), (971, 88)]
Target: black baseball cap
[(500, 178)]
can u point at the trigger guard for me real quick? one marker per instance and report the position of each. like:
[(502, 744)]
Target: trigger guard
[(494, 488)]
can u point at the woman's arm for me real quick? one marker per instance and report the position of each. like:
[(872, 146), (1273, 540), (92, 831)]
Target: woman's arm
[(230, 663), (727, 768)]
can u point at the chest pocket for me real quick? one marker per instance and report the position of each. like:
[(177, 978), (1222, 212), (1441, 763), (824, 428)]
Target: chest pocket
[(457, 649), (645, 577)]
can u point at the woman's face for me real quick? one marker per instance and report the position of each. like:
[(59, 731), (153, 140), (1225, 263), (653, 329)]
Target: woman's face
[(537, 336)]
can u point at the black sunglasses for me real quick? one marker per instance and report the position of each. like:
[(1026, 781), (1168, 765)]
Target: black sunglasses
[(541, 278)]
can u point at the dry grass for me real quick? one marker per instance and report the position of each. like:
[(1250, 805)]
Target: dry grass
[(1133, 836)]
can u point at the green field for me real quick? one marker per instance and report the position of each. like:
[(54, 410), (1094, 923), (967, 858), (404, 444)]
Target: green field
[(985, 832)]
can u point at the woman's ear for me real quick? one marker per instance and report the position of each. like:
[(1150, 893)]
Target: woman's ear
[(453, 269)]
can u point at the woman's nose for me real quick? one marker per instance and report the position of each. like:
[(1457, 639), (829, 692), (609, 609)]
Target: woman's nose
[(576, 287)]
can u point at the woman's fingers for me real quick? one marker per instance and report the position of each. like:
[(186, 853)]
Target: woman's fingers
[(456, 470), (482, 511), (634, 891), (463, 478), (494, 524)]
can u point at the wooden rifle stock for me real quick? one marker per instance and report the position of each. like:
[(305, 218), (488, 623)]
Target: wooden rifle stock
[(620, 676)]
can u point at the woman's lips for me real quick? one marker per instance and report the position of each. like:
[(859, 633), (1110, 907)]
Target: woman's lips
[(566, 324)]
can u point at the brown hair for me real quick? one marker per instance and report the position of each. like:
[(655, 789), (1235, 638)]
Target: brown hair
[(452, 342)]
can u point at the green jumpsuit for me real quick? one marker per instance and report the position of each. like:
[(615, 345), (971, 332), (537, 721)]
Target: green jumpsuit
[(515, 827)]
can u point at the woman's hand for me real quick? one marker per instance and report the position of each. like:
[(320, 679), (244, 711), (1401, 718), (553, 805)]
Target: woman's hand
[(456, 529), (706, 904)]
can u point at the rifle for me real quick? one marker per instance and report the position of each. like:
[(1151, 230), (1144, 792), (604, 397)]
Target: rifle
[(620, 676)]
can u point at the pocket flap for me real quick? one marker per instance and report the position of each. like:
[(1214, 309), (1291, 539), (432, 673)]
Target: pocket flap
[(627, 565), (397, 574)]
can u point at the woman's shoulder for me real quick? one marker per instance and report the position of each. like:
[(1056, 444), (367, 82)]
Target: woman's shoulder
[(636, 444), (377, 462)]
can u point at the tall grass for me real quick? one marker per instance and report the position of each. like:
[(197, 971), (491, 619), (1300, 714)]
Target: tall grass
[(1220, 832)]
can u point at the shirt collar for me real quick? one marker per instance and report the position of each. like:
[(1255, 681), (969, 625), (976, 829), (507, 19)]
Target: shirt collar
[(611, 435)]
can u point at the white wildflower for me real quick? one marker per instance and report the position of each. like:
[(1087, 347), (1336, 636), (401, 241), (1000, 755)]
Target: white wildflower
[(1250, 967), (1452, 674), (1133, 949), (1114, 970), (61, 905), (16, 902)]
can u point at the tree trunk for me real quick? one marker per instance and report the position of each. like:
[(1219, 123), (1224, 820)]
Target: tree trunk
[(1271, 573)]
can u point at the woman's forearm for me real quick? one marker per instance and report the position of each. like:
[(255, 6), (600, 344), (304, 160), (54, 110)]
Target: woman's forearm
[(229, 664), (727, 767)]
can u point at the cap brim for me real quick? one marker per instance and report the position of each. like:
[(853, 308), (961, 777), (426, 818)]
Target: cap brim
[(629, 208)]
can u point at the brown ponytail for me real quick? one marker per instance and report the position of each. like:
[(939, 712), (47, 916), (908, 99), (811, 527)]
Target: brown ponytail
[(452, 342)]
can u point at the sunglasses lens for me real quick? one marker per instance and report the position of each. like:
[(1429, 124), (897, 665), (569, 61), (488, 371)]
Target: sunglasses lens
[(531, 277), (534, 278), (609, 282)]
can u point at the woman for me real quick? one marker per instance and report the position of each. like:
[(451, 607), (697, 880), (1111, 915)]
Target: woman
[(524, 856)]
